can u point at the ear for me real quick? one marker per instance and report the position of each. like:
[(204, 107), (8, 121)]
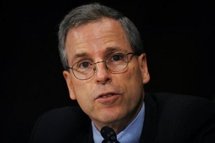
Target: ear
[(144, 68), (68, 78)]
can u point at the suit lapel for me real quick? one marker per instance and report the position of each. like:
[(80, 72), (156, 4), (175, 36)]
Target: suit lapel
[(149, 133), (85, 134)]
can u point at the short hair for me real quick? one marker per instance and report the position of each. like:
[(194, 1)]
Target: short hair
[(92, 12)]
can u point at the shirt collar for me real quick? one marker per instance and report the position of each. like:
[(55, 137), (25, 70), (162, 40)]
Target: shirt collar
[(130, 134)]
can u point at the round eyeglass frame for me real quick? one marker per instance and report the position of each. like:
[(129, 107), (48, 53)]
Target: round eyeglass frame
[(94, 69)]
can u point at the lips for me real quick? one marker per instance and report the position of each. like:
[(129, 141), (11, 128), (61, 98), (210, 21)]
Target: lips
[(108, 98), (106, 95)]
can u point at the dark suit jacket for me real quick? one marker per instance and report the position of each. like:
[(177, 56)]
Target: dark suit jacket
[(169, 118)]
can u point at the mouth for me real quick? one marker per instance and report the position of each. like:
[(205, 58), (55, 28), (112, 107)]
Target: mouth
[(108, 98)]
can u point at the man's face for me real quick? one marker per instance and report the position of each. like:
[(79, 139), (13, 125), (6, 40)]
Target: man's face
[(107, 98)]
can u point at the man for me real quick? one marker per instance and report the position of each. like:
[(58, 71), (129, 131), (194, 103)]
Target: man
[(105, 71)]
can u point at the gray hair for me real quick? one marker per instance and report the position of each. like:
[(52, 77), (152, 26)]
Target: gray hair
[(92, 12)]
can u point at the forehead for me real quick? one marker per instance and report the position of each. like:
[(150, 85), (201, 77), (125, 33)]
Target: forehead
[(96, 37)]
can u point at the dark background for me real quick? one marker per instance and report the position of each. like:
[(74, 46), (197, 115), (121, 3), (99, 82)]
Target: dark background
[(178, 37)]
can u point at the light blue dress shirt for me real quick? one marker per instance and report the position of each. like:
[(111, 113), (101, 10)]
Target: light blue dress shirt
[(131, 134)]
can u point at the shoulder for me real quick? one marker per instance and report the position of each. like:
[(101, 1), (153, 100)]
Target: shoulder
[(174, 102), (183, 105), (183, 116), (63, 114), (60, 125)]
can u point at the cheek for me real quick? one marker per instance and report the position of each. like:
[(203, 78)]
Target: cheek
[(84, 101), (134, 75), (83, 93), (134, 82)]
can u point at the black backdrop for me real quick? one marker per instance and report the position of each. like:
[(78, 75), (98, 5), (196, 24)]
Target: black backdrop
[(178, 37)]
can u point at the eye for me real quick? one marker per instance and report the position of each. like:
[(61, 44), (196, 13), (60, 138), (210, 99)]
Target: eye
[(84, 64), (117, 57)]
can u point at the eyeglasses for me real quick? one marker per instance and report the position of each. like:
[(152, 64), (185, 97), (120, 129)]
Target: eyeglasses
[(115, 63)]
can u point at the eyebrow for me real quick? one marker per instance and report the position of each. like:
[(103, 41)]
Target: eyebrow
[(112, 49), (108, 50), (83, 54), (78, 55)]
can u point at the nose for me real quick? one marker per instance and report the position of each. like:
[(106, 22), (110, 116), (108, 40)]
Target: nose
[(102, 74)]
